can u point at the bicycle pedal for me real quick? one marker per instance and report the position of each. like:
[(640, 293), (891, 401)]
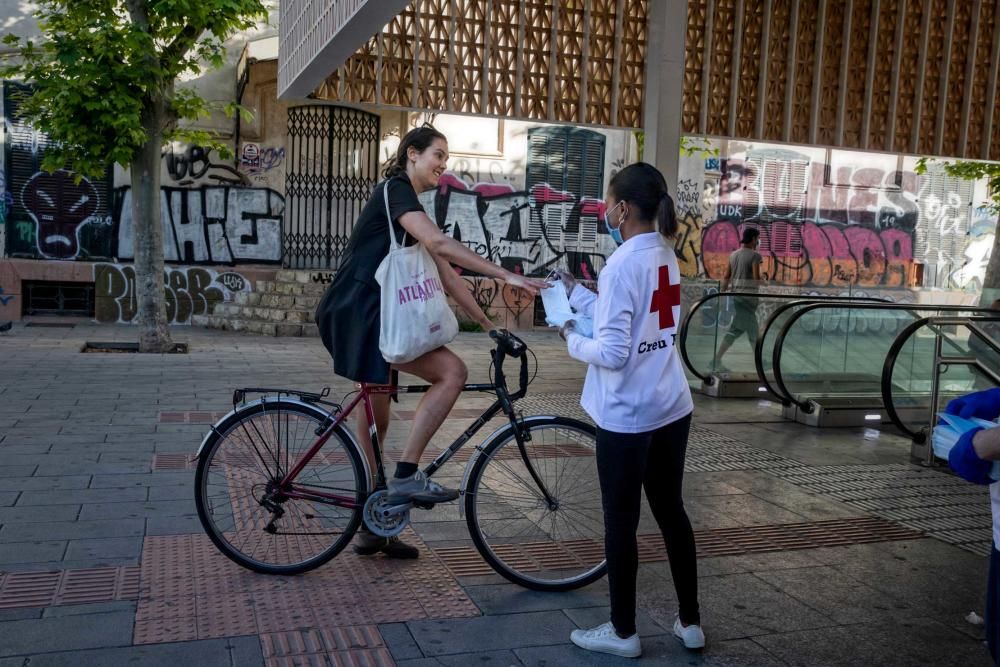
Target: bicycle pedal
[(423, 506)]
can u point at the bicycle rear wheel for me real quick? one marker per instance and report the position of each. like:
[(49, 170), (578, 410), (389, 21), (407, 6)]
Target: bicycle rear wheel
[(543, 546), (236, 481)]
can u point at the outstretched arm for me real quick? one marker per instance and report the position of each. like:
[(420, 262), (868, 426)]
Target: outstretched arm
[(457, 290), (422, 228)]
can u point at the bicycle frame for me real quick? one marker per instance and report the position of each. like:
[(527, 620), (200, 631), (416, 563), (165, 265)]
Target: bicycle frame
[(504, 402)]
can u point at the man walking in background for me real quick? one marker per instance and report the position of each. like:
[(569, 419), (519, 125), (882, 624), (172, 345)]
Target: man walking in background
[(743, 273)]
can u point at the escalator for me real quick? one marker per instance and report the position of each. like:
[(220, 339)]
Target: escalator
[(712, 319), (827, 359), (933, 360)]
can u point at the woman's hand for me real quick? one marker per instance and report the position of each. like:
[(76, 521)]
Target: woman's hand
[(567, 279), (529, 285)]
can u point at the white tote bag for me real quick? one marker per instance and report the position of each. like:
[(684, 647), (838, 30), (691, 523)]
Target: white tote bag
[(415, 314)]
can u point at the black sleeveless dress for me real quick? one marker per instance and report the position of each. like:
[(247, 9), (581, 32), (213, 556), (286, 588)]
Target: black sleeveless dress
[(348, 315)]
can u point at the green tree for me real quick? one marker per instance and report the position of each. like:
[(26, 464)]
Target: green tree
[(104, 89), (974, 171)]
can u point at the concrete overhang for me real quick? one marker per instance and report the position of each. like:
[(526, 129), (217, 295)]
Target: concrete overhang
[(318, 36)]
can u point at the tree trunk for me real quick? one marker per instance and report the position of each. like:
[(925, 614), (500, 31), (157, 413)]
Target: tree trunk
[(154, 335), (991, 281)]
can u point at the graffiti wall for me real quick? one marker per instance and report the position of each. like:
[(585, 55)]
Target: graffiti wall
[(210, 224), (210, 212), (829, 223), (5, 204), (529, 232), (189, 290), (54, 216)]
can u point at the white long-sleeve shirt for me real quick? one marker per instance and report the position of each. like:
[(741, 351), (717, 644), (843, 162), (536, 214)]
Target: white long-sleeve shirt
[(635, 382)]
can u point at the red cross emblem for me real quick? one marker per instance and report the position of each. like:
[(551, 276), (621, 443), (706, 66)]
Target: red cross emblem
[(665, 298)]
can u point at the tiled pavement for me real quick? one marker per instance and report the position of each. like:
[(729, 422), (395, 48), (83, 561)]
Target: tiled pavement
[(813, 544)]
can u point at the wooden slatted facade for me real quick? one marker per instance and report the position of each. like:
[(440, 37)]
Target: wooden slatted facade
[(907, 76)]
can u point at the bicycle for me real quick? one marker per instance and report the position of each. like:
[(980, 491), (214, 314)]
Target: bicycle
[(282, 485)]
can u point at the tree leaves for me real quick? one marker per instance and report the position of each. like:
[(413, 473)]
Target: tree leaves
[(970, 171), (105, 71)]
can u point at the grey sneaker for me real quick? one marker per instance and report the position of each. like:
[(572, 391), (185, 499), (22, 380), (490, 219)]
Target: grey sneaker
[(417, 488)]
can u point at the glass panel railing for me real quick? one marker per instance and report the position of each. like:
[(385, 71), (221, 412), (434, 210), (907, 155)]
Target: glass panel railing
[(910, 372), (720, 330), (831, 349), (771, 328)]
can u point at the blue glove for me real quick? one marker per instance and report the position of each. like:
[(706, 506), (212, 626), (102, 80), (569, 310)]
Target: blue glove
[(963, 460), (982, 404)]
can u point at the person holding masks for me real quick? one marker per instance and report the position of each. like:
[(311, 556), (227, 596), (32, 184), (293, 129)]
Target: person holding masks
[(972, 458), (638, 396), (349, 317)]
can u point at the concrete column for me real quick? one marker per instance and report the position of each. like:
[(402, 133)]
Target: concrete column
[(667, 29)]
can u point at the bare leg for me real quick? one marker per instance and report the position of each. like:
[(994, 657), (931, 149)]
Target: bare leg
[(447, 374), (723, 348), (380, 405)]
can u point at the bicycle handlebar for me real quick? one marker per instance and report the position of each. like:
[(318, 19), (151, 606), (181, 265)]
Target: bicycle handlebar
[(510, 345)]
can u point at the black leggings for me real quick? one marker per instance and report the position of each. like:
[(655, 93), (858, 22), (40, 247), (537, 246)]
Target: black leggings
[(627, 462)]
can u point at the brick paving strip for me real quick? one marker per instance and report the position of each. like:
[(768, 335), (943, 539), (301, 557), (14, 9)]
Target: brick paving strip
[(183, 575)]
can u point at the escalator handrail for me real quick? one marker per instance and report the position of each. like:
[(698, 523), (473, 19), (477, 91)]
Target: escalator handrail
[(758, 352), (897, 345), (682, 333), (780, 342)]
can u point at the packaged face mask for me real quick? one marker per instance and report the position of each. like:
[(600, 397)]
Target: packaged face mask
[(558, 311), (950, 429)]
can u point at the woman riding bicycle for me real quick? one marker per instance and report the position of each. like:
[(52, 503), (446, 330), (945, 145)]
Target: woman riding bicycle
[(349, 320), (638, 396)]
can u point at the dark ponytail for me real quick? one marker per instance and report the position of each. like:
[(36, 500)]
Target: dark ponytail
[(419, 138), (643, 186)]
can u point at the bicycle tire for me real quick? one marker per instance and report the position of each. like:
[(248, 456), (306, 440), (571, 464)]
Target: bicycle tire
[(547, 555), (237, 458)]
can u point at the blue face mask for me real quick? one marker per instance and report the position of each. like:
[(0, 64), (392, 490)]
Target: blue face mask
[(615, 232)]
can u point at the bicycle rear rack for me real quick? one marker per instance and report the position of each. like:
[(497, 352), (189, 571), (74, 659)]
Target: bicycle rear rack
[(239, 395)]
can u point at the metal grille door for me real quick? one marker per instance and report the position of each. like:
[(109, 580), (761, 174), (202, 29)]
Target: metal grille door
[(332, 170)]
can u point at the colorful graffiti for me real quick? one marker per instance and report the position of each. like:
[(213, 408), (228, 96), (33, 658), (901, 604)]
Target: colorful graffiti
[(210, 224), (59, 209), (688, 208), (187, 165), (189, 291), (525, 232), (863, 225), (982, 232), (830, 254)]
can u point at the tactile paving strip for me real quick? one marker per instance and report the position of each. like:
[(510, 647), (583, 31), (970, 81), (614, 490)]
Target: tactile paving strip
[(163, 462), (466, 561), (357, 645), (931, 501), (708, 451), (67, 587), (189, 590)]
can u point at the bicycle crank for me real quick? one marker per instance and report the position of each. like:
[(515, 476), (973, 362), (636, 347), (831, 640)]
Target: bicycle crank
[(383, 519)]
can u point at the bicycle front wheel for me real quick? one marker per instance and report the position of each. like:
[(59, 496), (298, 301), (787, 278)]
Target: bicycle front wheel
[(549, 544), (236, 494)]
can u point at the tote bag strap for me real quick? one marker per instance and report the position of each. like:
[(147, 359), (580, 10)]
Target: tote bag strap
[(388, 216)]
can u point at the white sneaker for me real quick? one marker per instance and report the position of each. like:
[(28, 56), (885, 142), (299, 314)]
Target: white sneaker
[(604, 639), (692, 635)]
